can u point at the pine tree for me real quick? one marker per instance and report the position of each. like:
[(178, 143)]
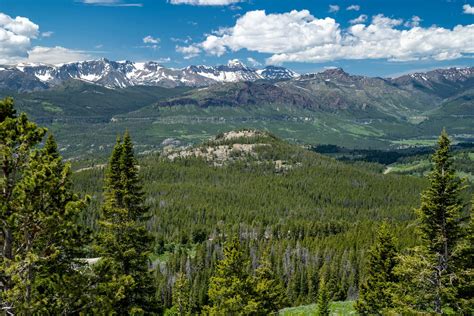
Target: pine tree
[(269, 293), (324, 299), (230, 288), (48, 211), (18, 137), (465, 260), (181, 295), (375, 292), (125, 284), (39, 211), (440, 222)]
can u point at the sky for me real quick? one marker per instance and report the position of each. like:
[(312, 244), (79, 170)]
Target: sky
[(368, 37)]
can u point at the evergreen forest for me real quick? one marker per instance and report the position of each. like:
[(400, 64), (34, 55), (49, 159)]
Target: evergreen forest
[(242, 224)]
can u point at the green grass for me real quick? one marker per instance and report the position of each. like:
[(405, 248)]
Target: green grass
[(421, 165), (337, 308), (49, 107), (411, 167), (415, 142)]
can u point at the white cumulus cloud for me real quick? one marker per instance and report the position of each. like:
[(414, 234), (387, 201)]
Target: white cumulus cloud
[(273, 33), (151, 40), (298, 36), (56, 55), (360, 19), (468, 9), (188, 51), (15, 37), (19, 25), (205, 2), (415, 21), (253, 62), (47, 34), (353, 7)]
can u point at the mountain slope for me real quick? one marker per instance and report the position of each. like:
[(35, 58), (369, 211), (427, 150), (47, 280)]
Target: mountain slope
[(76, 100), (331, 90), (315, 212), (441, 82)]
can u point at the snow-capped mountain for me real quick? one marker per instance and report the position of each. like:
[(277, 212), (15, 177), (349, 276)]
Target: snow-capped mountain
[(121, 74), (276, 73), (442, 82)]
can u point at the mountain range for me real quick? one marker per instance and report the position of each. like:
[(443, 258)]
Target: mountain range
[(122, 74), (190, 104), (336, 90)]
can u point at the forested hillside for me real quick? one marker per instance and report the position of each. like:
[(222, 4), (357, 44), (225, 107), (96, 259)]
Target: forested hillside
[(314, 215), (244, 223)]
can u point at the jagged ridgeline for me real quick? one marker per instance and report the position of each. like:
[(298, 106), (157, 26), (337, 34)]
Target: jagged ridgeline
[(194, 103), (315, 216)]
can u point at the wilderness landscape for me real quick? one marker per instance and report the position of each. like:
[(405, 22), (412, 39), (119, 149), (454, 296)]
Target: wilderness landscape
[(217, 182)]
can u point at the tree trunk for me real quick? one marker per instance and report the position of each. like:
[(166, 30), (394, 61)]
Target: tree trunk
[(439, 269), (7, 254)]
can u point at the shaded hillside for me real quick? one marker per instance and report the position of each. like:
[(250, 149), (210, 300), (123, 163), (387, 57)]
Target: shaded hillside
[(331, 90), (444, 83), (76, 99)]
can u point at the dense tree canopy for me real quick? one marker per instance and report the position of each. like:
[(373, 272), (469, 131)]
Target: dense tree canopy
[(375, 294), (39, 213)]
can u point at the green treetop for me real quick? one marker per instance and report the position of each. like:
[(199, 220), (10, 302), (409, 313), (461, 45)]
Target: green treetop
[(38, 210), (375, 292), (230, 288), (125, 284), (268, 291), (181, 295), (440, 222), (324, 299)]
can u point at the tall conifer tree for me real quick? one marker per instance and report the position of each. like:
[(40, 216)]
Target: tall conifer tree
[(41, 240), (230, 287), (440, 217), (323, 299), (268, 292), (125, 284), (181, 295), (430, 274)]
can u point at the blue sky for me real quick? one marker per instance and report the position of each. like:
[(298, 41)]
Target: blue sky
[(371, 37)]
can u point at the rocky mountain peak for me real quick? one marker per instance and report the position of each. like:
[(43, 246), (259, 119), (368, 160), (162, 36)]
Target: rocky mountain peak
[(236, 63), (121, 74)]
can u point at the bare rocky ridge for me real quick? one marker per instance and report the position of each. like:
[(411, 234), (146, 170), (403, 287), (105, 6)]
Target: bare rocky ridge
[(231, 147)]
